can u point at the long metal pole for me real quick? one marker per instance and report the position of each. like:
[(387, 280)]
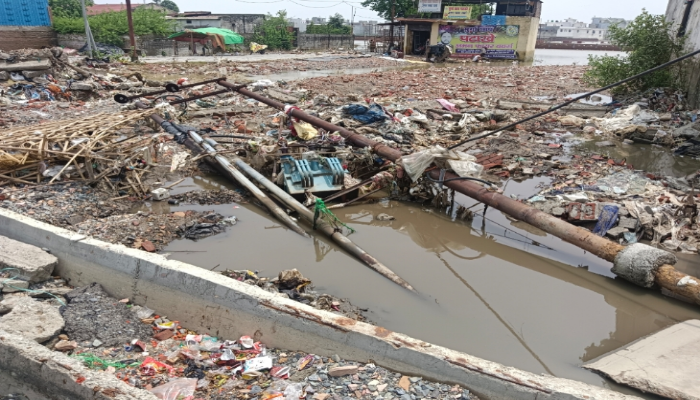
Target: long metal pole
[(238, 176), (132, 39)]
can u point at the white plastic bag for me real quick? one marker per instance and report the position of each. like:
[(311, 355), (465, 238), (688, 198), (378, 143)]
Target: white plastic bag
[(177, 389)]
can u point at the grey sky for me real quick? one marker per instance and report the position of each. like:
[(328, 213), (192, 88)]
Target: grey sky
[(582, 10)]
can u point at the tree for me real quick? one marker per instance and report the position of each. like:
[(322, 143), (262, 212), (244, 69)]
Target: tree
[(274, 33), (481, 9), (328, 30), (649, 42), (111, 27), (403, 8), (68, 8), (336, 21), (169, 4)]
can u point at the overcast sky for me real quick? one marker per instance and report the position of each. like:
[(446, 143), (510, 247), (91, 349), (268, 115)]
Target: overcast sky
[(583, 10)]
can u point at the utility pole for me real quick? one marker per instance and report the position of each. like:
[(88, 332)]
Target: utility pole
[(132, 39), (391, 28), (90, 41)]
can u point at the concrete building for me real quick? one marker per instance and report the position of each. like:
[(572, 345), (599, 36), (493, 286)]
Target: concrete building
[(582, 34), (318, 21), (511, 33), (606, 23), (685, 16), (568, 23), (365, 28), (243, 24), (116, 7), (298, 23), (25, 24)]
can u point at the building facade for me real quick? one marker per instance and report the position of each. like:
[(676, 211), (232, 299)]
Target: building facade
[(510, 33), (298, 23), (25, 24)]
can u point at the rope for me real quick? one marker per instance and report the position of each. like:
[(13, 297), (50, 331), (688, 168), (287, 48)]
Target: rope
[(321, 211), (4, 283)]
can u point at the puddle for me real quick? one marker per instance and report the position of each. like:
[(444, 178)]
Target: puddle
[(650, 158), (595, 100), (494, 288), (298, 75)]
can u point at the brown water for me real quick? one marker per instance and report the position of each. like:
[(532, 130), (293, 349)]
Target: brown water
[(484, 287)]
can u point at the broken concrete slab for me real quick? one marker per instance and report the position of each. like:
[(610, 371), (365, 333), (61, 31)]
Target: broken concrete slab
[(4, 75), (36, 74), (34, 65), (30, 263), (13, 285), (665, 363), (35, 320), (616, 233), (281, 96)]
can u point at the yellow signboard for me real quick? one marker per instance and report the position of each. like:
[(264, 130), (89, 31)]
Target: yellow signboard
[(457, 12)]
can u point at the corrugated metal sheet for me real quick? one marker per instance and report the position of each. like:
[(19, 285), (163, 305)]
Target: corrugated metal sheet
[(24, 12)]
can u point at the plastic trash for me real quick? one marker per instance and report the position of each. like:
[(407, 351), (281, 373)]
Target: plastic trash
[(275, 390), (294, 391), (447, 105), (177, 389), (607, 220), (366, 115), (305, 130), (151, 367), (258, 364), (246, 341)]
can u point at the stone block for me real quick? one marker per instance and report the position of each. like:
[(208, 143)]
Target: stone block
[(35, 320), (33, 65), (30, 263)]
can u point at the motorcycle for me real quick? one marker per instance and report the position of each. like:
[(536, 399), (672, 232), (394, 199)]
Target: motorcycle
[(438, 53)]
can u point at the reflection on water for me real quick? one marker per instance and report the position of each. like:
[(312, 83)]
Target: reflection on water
[(649, 158), (487, 287), (569, 57)]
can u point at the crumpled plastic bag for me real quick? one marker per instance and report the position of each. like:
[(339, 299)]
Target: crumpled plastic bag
[(461, 163), (177, 389), (621, 123), (366, 115), (305, 130)]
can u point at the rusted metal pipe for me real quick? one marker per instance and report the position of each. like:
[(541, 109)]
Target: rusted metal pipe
[(656, 266)]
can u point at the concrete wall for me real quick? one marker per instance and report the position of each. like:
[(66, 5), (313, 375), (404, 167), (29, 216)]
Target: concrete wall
[(528, 36), (26, 37), (31, 369), (150, 45), (317, 42), (674, 14), (210, 303)]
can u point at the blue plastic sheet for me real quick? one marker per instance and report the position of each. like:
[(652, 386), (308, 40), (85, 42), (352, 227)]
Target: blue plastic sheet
[(608, 219), (366, 115)]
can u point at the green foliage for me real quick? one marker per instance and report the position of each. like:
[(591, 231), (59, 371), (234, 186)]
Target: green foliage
[(402, 8), (481, 9), (170, 5), (328, 30), (273, 32), (111, 27), (649, 42), (68, 8), (336, 21)]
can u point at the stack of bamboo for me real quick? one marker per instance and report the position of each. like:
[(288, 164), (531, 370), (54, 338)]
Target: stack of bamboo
[(90, 149)]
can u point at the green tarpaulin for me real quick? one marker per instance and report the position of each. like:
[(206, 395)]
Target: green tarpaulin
[(230, 37)]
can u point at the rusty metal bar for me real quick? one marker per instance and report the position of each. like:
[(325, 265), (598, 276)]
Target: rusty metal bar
[(169, 88), (199, 96)]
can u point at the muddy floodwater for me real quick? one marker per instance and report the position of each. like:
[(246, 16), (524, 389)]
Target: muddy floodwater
[(495, 288)]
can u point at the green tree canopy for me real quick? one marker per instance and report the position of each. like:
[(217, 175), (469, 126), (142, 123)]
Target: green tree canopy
[(68, 8), (403, 8), (111, 27), (169, 4), (336, 21), (274, 33), (649, 42)]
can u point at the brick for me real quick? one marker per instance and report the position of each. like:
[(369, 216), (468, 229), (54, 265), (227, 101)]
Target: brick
[(343, 371)]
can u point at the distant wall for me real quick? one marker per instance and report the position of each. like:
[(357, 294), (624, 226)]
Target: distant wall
[(317, 42), (148, 44), (26, 37), (544, 44), (528, 35)]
